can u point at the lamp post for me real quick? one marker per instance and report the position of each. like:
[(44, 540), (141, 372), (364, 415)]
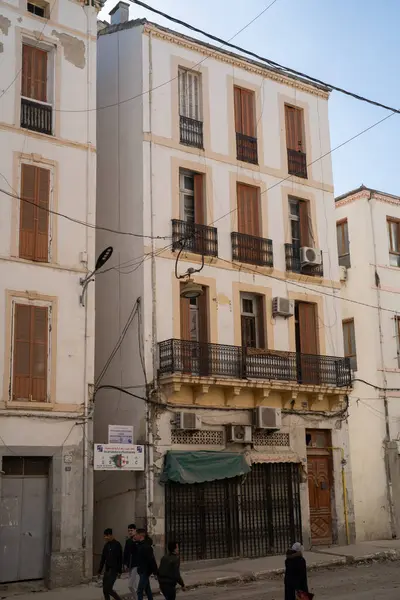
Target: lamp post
[(100, 262)]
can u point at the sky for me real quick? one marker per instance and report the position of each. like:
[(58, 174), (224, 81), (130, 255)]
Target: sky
[(353, 44)]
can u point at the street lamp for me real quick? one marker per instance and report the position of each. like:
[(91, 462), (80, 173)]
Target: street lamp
[(100, 262), (190, 289)]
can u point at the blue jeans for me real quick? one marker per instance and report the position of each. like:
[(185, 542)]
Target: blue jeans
[(144, 586)]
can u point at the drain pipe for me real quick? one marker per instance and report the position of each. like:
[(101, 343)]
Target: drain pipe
[(382, 358)]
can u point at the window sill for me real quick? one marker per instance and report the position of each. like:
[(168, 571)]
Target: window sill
[(50, 265), (21, 405)]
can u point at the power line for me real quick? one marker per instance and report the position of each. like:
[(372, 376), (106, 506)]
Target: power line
[(272, 63), (84, 223)]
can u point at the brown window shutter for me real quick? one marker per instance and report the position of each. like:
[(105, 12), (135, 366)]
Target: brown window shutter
[(27, 65), (299, 130), (261, 322), (39, 347), (199, 216), (248, 120), (238, 109), (308, 328), (42, 224), (185, 318), (304, 224), (248, 209), (39, 75), (22, 352), (202, 303), (290, 121), (27, 212)]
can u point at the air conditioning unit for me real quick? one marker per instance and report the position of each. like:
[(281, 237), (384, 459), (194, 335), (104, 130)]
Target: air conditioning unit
[(241, 434), (343, 273), (282, 307), (187, 420), (266, 417), (310, 256)]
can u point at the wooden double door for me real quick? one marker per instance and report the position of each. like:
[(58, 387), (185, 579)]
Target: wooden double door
[(320, 481)]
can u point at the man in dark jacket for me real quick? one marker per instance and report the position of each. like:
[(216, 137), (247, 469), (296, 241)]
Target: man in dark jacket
[(169, 572), (295, 572), (111, 561), (146, 565), (130, 559)]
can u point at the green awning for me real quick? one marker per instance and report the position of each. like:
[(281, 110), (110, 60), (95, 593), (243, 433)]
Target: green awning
[(196, 467)]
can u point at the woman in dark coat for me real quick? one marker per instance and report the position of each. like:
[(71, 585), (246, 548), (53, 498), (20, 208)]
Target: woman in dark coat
[(295, 572)]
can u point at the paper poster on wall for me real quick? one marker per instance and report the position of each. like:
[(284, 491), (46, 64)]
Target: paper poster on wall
[(120, 434)]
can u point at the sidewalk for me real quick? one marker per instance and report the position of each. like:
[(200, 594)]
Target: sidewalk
[(230, 571)]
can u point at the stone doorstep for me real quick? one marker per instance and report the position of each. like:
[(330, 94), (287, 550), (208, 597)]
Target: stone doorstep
[(272, 573)]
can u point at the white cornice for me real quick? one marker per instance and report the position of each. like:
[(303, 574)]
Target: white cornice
[(232, 60), (366, 194)]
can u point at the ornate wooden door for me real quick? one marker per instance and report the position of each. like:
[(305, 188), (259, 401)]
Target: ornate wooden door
[(319, 491)]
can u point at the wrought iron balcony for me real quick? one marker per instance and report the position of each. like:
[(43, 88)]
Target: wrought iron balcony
[(246, 148), (36, 116), (191, 132), (200, 239), (218, 360), (251, 249), (297, 163), (293, 263)]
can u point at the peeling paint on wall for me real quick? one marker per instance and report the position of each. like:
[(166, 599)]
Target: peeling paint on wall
[(74, 49), (4, 24)]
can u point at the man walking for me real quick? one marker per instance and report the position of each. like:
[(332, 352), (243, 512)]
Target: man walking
[(111, 561), (130, 559), (146, 565), (169, 572)]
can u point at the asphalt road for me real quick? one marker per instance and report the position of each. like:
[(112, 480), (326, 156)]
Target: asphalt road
[(376, 581)]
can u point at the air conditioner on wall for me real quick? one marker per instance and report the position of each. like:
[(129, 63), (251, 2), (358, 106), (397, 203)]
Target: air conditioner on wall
[(282, 307), (266, 417), (241, 434), (188, 420), (310, 256)]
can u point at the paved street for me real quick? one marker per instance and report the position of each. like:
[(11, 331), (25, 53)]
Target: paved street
[(377, 581)]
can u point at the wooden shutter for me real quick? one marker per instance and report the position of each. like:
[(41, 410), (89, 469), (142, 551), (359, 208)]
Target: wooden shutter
[(42, 222), (34, 73), (22, 352), (185, 318), (248, 209), (199, 212), (27, 212), (202, 303), (304, 224), (244, 111), (39, 344), (294, 128), (261, 322), (30, 353), (34, 215), (308, 328)]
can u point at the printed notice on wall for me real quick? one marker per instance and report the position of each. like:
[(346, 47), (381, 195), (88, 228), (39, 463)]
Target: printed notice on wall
[(118, 457), (120, 434)]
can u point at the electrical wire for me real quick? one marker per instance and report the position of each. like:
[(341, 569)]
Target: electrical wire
[(377, 387), (282, 68), (85, 224)]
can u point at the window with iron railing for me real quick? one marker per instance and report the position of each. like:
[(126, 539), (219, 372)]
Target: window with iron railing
[(190, 108), (36, 110), (252, 250), (245, 125)]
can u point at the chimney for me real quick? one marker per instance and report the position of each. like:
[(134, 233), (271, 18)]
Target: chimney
[(120, 13)]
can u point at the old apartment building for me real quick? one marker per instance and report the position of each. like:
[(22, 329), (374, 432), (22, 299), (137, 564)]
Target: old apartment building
[(209, 157), (371, 329), (48, 169)]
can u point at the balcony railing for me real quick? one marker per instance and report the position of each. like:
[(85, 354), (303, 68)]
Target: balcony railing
[(251, 249), (293, 263), (218, 360), (200, 239), (246, 148), (191, 132), (297, 163), (36, 116)]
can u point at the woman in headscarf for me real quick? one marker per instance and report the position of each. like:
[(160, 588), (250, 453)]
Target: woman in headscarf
[(295, 573)]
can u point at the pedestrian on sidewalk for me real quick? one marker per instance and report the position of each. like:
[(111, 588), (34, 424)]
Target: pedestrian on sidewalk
[(146, 565), (296, 574), (111, 561), (130, 559), (169, 572)]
